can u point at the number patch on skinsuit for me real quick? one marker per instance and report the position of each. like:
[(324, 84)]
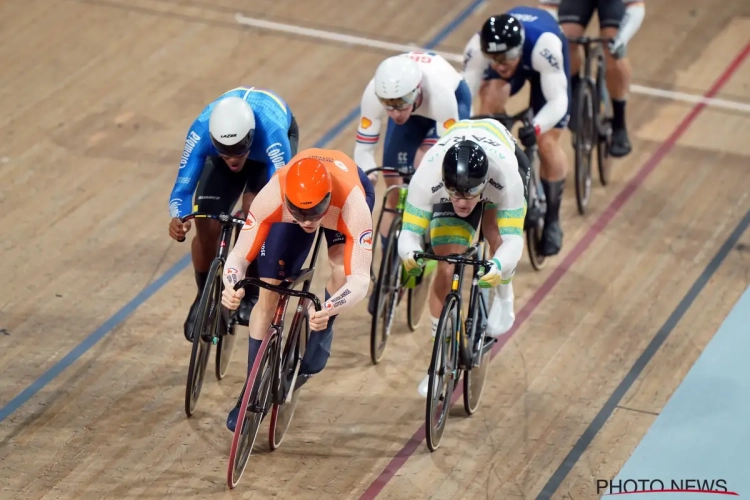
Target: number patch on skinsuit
[(422, 57)]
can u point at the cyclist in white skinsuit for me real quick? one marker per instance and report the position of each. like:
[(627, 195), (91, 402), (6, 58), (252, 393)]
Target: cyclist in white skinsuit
[(476, 163)]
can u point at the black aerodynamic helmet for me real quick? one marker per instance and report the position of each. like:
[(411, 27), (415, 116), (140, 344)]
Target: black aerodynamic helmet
[(465, 170), (503, 34)]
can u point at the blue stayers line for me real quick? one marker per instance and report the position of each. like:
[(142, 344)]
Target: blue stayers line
[(154, 287)]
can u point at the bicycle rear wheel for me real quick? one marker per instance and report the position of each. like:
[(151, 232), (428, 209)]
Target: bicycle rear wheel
[(204, 330), (584, 140), (443, 373), (387, 293), (282, 413), (256, 400), (475, 377)]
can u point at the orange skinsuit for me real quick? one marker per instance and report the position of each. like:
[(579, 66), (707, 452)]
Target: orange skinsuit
[(348, 213)]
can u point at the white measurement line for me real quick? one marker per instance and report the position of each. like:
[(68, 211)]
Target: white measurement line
[(458, 58)]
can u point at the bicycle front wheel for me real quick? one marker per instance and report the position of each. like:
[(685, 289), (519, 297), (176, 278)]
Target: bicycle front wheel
[(603, 159), (256, 401), (443, 373), (204, 329), (584, 141), (282, 412), (386, 293)]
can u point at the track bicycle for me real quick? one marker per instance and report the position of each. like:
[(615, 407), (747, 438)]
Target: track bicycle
[(211, 327), (592, 119), (460, 346), (392, 281), (272, 384)]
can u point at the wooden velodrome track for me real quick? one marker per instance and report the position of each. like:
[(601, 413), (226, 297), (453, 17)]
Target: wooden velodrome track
[(96, 97)]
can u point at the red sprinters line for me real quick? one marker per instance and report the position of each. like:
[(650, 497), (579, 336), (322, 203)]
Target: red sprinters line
[(712, 492), (596, 228)]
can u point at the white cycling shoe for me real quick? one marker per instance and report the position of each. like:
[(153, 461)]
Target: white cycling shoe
[(422, 389), (501, 318)]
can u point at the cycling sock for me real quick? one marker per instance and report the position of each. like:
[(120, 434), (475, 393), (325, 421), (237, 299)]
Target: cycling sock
[(618, 114), (200, 280), (553, 191), (252, 353), (574, 81)]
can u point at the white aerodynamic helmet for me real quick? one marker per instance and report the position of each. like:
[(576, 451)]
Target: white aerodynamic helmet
[(397, 79), (232, 126)]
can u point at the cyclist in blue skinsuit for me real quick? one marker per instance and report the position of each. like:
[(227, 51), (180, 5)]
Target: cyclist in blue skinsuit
[(527, 44), (233, 148)]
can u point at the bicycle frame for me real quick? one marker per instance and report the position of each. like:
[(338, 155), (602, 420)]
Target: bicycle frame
[(226, 221), (403, 189), (592, 50), (285, 290), (466, 328)]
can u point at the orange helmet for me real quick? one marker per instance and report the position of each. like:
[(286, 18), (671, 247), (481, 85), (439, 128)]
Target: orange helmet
[(308, 189)]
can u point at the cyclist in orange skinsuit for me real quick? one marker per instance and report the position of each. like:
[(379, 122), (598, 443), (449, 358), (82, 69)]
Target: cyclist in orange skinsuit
[(317, 188)]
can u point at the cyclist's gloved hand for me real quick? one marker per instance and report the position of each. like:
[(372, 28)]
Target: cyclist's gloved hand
[(413, 267), (492, 277), (617, 48), (527, 135)]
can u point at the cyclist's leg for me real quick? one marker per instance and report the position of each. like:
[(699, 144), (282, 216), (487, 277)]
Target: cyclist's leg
[(554, 166), (550, 6), (278, 259), (574, 17), (495, 91), (449, 233), (619, 74), (319, 345), (218, 190), (495, 224), (400, 149)]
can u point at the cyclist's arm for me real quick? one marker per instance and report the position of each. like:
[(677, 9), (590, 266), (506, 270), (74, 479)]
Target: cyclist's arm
[(368, 130), (631, 21), (419, 203), (278, 149), (264, 211), (355, 223), (197, 144), (475, 65), (547, 60), (511, 212)]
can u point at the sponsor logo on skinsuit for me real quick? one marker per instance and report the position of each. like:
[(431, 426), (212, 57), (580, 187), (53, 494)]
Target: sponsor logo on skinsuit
[(365, 239)]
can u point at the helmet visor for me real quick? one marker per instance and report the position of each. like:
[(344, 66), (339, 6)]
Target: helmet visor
[(309, 214), (400, 103), (467, 193), (239, 149), (501, 57)]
